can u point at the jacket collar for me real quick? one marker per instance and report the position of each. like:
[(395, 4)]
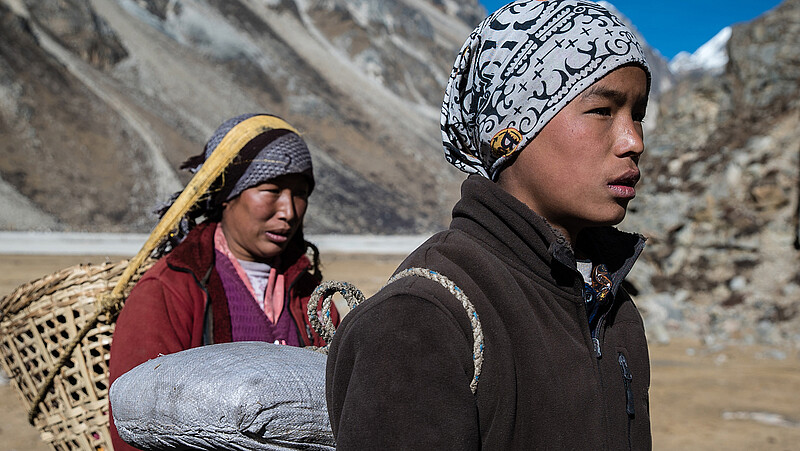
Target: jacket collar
[(511, 228), (616, 249), (196, 251)]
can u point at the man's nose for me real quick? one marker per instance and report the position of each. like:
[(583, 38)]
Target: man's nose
[(630, 139)]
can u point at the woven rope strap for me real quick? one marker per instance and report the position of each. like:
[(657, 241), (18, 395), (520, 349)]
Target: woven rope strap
[(111, 303), (322, 323), (354, 296)]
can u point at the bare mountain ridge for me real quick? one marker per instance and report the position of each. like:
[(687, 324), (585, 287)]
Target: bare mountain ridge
[(103, 99)]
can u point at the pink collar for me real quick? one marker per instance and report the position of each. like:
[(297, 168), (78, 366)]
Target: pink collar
[(274, 294)]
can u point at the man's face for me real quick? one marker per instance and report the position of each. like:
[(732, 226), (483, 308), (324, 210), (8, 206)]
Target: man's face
[(581, 169)]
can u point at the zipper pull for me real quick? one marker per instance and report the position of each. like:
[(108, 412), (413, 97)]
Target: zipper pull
[(627, 378), (597, 352)]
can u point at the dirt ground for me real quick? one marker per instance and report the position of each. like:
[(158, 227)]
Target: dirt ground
[(745, 398)]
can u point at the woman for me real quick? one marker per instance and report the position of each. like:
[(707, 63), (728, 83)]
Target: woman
[(242, 273), (544, 109)]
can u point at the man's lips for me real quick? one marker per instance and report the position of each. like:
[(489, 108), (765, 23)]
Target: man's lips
[(623, 186)]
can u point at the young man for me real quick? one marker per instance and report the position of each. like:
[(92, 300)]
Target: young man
[(544, 108)]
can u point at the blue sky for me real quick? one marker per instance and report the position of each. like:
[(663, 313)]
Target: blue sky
[(672, 26)]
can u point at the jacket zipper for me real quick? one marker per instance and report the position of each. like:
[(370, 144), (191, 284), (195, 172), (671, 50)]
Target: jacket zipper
[(208, 316), (627, 379), (300, 327), (595, 333), (598, 352)]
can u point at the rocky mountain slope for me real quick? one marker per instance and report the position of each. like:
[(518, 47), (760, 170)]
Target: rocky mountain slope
[(100, 101), (719, 198)]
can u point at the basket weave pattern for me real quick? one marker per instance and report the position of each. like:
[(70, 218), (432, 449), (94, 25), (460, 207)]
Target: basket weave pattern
[(37, 322)]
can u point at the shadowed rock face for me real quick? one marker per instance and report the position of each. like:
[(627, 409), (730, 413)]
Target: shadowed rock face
[(59, 139), (74, 24), (719, 197)]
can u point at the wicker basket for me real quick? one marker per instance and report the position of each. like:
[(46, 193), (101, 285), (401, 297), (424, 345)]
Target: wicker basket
[(67, 391), (39, 320)]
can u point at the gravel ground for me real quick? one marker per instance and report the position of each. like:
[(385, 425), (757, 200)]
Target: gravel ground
[(725, 397)]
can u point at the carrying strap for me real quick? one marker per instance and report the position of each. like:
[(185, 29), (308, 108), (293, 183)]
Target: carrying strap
[(323, 324)]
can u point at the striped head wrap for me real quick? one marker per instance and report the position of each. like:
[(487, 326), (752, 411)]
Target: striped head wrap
[(271, 154), (519, 68), (265, 157)]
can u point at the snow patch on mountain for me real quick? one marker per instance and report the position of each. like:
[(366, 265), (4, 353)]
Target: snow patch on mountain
[(711, 57)]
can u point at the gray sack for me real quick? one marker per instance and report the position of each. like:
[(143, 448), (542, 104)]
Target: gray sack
[(239, 396)]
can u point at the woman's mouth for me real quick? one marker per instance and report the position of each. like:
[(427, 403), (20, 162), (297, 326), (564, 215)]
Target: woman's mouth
[(278, 237)]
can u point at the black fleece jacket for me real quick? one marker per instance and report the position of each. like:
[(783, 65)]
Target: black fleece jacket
[(400, 364)]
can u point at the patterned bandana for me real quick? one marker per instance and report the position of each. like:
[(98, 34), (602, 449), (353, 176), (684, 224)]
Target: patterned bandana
[(521, 66)]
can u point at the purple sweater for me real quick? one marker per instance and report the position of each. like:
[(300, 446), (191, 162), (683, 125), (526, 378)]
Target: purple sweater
[(248, 321)]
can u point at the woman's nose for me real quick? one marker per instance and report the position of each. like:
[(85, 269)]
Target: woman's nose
[(285, 206)]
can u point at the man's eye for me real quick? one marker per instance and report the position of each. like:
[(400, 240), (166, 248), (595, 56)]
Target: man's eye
[(601, 111)]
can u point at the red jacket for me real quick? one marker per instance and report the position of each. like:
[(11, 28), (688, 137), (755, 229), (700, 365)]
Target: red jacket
[(181, 297)]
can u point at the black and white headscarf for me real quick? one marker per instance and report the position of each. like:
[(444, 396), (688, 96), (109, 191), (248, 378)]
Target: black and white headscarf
[(521, 66)]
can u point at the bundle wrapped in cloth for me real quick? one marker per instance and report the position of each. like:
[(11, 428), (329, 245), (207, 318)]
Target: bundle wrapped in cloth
[(239, 396)]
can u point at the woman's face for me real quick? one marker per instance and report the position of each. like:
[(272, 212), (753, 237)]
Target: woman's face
[(259, 223), (580, 171)]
